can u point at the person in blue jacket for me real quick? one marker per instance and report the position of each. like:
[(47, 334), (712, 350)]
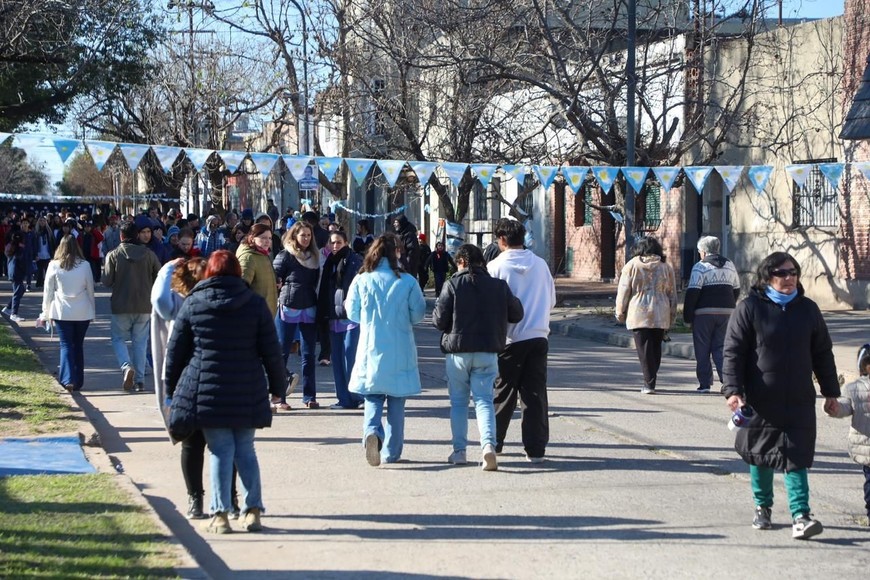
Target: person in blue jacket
[(386, 302)]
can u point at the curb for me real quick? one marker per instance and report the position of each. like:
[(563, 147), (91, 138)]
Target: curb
[(573, 330)]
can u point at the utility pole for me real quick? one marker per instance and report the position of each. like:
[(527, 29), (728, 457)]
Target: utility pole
[(631, 78)]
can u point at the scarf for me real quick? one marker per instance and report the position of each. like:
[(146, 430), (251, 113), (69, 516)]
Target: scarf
[(780, 298), (307, 258)]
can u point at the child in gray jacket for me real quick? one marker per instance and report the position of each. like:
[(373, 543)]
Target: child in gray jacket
[(856, 402)]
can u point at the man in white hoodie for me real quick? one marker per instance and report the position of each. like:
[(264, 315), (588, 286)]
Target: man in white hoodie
[(522, 366)]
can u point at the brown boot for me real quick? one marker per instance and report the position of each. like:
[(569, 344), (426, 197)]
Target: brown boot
[(252, 520), (218, 524)]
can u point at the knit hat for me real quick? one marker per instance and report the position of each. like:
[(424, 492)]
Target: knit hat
[(173, 231), (143, 221), (247, 214)]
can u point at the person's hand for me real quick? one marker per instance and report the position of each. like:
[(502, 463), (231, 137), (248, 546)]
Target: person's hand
[(177, 262), (734, 402), (620, 317), (832, 406)]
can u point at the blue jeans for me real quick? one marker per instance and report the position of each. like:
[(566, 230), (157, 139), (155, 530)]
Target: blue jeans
[(394, 434), (286, 333), (228, 447), (343, 357), (17, 293), (135, 329), (471, 373), (72, 351)]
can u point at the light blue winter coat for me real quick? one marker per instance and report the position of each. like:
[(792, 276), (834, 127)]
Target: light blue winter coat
[(386, 308)]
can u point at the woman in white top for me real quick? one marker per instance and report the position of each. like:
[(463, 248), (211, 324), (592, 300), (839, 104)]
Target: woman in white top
[(68, 301)]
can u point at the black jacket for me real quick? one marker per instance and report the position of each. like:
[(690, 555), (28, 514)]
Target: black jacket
[(299, 289), (771, 354), (223, 339), (338, 272), (473, 312), (407, 231)]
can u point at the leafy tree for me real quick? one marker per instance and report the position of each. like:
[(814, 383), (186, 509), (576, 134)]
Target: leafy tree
[(52, 52), (81, 178), (19, 175)]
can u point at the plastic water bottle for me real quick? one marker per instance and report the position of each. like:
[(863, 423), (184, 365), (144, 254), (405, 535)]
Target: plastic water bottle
[(741, 417)]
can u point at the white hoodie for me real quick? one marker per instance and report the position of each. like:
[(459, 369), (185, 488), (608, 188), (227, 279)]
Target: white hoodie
[(529, 279)]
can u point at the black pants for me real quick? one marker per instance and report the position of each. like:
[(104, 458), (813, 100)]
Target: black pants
[(867, 489), (522, 371), (324, 340), (41, 267), (423, 278), (648, 342), (193, 462)]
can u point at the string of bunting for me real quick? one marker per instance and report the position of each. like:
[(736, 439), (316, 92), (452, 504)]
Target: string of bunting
[(341, 206), (78, 198), (304, 168)]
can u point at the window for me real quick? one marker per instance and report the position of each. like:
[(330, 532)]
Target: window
[(582, 209), (378, 127), (481, 203), (814, 204), (648, 207)]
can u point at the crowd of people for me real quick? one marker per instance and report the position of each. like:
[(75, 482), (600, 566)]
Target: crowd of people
[(235, 310)]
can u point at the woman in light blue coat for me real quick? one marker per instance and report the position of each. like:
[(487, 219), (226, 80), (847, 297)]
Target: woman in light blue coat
[(386, 302)]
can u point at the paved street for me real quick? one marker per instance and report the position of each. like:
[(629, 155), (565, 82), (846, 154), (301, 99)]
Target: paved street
[(634, 486)]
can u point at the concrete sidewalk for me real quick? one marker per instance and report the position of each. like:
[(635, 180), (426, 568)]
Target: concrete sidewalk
[(633, 486)]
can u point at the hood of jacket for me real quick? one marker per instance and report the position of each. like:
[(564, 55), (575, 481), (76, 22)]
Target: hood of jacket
[(132, 252), (262, 215), (223, 292), (518, 261), (716, 260)]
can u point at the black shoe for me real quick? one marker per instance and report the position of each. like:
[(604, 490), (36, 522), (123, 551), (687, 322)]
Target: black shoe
[(194, 510), (761, 521), (703, 389), (805, 527)]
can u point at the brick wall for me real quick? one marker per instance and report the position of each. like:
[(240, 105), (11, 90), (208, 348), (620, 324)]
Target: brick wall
[(854, 244)]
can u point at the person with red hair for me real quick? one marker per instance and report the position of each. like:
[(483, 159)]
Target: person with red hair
[(219, 385)]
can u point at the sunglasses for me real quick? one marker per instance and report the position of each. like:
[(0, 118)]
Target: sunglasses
[(784, 273)]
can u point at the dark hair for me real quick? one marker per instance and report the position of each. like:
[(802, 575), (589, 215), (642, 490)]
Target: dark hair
[(365, 224), (339, 233), (769, 264), (649, 246), (310, 218), (384, 246), (186, 233), (185, 276), (470, 254), (863, 363), (256, 230), (222, 263), (513, 231), (128, 231)]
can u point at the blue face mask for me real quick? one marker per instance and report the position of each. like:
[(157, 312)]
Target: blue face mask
[(779, 297)]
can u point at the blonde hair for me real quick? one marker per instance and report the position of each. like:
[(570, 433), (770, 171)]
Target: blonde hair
[(292, 245), (68, 253)]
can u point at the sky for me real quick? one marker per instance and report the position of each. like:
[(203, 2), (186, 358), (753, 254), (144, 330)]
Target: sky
[(47, 156)]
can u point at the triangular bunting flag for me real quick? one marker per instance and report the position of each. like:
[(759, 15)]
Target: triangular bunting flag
[(574, 176), (3, 137), (166, 156), (484, 172), (64, 147), (133, 153), (635, 176), (518, 171), (328, 166), (546, 174), (296, 165), (359, 168), (730, 175), (198, 157), (424, 170), (232, 159), (605, 176), (799, 173), (833, 171), (455, 171), (759, 175), (100, 152), (863, 167), (26, 141), (392, 170), (265, 162), (698, 176), (666, 176)]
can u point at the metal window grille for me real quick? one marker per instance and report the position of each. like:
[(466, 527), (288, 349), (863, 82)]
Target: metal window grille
[(815, 204), (481, 204), (648, 207), (582, 209)]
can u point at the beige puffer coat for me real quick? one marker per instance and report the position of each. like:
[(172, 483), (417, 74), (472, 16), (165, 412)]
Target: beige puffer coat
[(647, 294), (856, 403)]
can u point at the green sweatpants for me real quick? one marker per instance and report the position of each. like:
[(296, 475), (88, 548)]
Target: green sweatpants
[(797, 487)]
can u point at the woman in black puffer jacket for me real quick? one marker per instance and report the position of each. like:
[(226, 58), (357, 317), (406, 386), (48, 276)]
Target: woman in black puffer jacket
[(776, 341), (223, 339)]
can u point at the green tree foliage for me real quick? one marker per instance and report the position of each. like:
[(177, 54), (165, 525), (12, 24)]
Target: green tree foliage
[(55, 51), (18, 175)]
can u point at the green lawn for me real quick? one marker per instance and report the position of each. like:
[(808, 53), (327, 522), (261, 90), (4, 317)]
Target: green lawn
[(66, 526)]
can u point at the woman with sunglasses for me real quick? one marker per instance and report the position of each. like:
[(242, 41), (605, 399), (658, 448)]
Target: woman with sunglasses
[(776, 341)]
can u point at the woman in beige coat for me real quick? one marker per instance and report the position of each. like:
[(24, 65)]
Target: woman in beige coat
[(647, 302)]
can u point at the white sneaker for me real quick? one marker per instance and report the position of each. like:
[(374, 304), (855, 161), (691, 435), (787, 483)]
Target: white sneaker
[(129, 375), (457, 458), (16, 318), (292, 383), (489, 463), (531, 459)]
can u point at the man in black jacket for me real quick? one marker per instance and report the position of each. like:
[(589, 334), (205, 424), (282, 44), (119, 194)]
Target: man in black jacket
[(410, 260), (473, 312)]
